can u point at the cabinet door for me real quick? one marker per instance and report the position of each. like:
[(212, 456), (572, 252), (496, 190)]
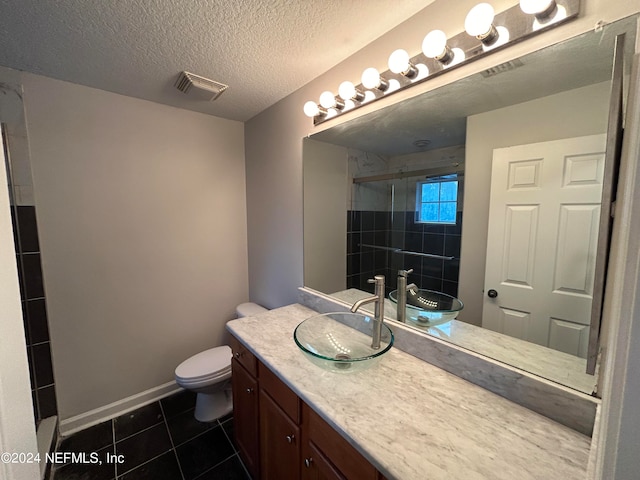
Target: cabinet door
[(245, 417), (344, 459), (315, 466), (279, 442)]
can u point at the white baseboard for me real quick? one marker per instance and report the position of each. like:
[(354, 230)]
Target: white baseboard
[(115, 409)]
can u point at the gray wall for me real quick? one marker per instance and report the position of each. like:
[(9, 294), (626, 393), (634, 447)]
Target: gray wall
[(325, 213), (576, 113), (141, 211)]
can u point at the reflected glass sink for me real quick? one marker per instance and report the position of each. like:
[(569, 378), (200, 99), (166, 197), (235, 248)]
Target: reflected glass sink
[(428, 308), (341, 342)]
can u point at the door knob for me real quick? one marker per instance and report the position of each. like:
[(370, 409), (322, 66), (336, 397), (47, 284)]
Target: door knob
[(492, 293)]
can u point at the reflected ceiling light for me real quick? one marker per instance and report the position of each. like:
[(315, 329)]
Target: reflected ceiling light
[(542, 9), (479, 23), (399, 62), (311, 109), (371, 79), (348, 91), (435, 46), (329, 100)]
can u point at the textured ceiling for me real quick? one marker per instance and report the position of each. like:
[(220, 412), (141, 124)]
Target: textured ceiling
[(264, 50)]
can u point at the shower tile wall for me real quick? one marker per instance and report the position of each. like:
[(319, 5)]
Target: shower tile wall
[(27, 248), (399, 230), (34, 311)]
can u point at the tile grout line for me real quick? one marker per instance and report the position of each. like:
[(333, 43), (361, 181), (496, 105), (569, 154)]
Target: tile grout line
[(113, 438), (145, 462), (173, 447), (139, 431), (215, 466), (226, 435), (195, 436)]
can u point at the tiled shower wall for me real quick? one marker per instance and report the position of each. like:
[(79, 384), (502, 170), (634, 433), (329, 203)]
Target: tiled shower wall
[(399, 230), (384, 219), (32, 293), (34, 312)]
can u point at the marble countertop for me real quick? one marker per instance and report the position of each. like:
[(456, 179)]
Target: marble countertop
[(413, 420)]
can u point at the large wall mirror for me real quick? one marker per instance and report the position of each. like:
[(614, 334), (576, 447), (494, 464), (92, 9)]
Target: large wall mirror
[(481, 189)]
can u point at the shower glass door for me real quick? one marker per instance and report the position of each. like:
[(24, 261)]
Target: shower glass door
[(386, 233)]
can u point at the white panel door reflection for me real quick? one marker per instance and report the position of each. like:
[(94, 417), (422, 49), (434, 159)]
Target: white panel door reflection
[(542, 240)]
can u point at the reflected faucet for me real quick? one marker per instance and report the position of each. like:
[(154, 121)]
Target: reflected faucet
[(378, 298), (401, 313)]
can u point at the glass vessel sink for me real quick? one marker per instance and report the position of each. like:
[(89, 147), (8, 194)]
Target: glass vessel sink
[(428, 308), (341, 342)]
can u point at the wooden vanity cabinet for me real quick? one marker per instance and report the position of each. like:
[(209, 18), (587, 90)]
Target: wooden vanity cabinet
[(244, 387), (327, 455), (279, 437), (279, 428)]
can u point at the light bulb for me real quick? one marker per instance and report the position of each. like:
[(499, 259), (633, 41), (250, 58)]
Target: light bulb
[(311, 109), (348, 91), (479, 20), (327, 100), (371, 79), (399, 62), (434, 43), (435, 46), (540, 8)]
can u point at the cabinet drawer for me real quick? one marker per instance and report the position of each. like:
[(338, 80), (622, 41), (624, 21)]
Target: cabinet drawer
[(351, 464), (281, 393), (244, 356)]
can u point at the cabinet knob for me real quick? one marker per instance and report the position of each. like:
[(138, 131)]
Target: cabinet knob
[(237, 354), (249, 391), (308, 462), (290, 438)]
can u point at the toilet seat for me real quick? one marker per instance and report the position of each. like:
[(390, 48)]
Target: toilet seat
[(206, 367)]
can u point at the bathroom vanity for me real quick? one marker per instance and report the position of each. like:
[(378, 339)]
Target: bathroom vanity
[(403, 418), (279, 435)]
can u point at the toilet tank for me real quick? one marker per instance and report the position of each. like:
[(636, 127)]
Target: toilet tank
[(249, 309)]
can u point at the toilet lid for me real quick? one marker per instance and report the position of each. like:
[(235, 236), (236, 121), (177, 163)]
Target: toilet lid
[(207, 363)]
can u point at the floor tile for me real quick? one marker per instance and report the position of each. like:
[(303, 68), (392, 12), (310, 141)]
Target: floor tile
[(204, 452), (90, 440), (85, 471), (228, 428), (165, 467), (231, 469), (178, 403), (184, 427), (137, 420), (142, 447)]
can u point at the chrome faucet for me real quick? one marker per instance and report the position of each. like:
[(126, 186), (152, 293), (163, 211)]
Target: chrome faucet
[(378, 298), (401, 314)]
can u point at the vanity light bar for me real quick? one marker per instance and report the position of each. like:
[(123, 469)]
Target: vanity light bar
[(485, 31)]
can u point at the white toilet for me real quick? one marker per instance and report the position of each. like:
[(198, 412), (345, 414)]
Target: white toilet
[(209, 375)]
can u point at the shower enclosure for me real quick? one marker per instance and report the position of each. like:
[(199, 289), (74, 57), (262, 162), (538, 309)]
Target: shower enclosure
[(406, 220)]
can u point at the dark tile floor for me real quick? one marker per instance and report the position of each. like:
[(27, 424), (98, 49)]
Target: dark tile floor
[(160, 441)]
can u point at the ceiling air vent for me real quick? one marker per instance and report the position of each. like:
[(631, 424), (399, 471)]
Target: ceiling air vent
[(503, 67), (198, 87)]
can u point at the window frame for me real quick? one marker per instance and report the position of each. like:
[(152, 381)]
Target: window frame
[(440, 179)]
